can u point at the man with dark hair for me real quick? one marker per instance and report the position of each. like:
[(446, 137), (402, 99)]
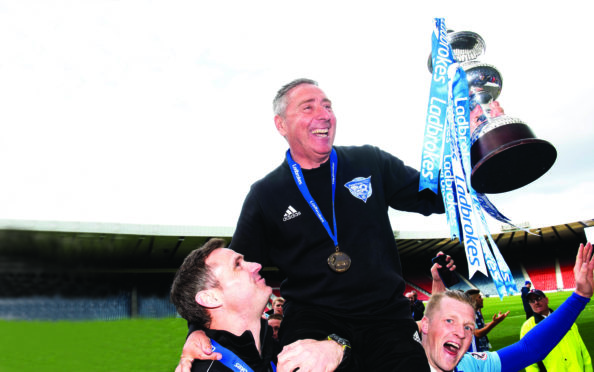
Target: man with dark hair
[(570, 355), (448, 328), (224, 294), (480, 341), (192, 277), (274, 322), (321, 217)]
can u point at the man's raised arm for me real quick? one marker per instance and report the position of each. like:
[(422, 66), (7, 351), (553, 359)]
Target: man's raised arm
[(537, 343)]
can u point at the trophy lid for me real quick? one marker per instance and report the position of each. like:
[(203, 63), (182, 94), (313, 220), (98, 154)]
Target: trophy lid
[(466, 46)]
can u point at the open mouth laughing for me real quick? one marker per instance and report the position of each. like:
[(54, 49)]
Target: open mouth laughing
[(320, 132), (451, 347)]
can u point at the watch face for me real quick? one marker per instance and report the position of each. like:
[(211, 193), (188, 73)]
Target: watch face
[(341, 341)]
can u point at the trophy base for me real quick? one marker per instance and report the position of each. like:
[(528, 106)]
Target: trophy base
[(509, 157)]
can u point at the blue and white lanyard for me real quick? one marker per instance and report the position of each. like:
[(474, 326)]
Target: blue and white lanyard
[(300, 181)]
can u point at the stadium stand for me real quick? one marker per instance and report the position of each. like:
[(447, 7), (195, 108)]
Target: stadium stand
[(84, 296), (76, 271), (420, 281), (542, 273), (566, 266), (485, 284), (60, 308), (155, 307), (461, 286), (518, 276)]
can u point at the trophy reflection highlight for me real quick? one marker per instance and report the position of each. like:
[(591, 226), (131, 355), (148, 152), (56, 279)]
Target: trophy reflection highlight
[(505, 153)]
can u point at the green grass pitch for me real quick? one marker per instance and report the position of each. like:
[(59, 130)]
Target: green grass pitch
[(155, 344), (508, 331)]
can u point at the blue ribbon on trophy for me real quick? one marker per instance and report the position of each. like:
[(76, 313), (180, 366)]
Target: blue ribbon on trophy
[(457, 157), (497, 266), (436, 111)]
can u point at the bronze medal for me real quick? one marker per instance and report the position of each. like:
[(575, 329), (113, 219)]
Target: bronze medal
[(339, 261)]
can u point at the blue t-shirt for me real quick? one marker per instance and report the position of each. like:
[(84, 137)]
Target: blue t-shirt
[(483, 362), (535, 345)]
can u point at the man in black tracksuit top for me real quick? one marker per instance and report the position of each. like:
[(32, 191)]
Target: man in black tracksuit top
[(277, 226), (367, 299)]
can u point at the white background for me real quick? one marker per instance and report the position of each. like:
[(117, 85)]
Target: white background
[(159, 112)]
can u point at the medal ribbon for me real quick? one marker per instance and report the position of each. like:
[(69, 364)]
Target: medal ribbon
[(232, 361), (300, 181)]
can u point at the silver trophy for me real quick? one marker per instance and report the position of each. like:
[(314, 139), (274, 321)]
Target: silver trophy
[(505, 154)]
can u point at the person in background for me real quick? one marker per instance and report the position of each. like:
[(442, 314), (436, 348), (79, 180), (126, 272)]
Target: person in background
[(480, 341), (277, 305), (417, 308), (570, 355), (525, 289), (274, 322)]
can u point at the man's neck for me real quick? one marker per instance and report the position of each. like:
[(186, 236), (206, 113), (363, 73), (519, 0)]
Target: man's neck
[(544, 314), (309, 162), (238, 325), (433, 369)]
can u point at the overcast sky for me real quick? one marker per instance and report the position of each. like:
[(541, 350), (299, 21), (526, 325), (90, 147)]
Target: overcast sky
[(159, 112)]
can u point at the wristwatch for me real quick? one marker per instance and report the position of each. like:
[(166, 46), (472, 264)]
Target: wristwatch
[(346, 347)]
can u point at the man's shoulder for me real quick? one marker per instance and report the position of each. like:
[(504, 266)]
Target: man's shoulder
[(480, 361), (277, 175), (357, 150), (363, 155)]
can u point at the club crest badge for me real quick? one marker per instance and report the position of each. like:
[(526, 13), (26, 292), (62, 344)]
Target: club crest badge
[(360, 188)]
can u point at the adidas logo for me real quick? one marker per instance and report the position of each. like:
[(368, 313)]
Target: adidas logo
[(291, 213), (416, 337)]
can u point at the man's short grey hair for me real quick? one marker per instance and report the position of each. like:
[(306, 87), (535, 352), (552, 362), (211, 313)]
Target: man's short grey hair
[(279, 104)]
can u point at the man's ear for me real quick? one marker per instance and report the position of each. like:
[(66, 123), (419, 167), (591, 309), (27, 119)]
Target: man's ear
[(425, 325), (209, 298), (279, 122)]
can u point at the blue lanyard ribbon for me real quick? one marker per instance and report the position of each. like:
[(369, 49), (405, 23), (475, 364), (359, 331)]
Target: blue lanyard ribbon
[(231, 360), (300, 181)]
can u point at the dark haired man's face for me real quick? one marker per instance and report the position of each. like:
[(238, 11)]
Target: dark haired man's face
[(240, 282), (275, 325)]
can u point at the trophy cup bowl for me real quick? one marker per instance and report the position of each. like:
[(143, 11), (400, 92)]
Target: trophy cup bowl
[(508, 156), (505, 154)]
